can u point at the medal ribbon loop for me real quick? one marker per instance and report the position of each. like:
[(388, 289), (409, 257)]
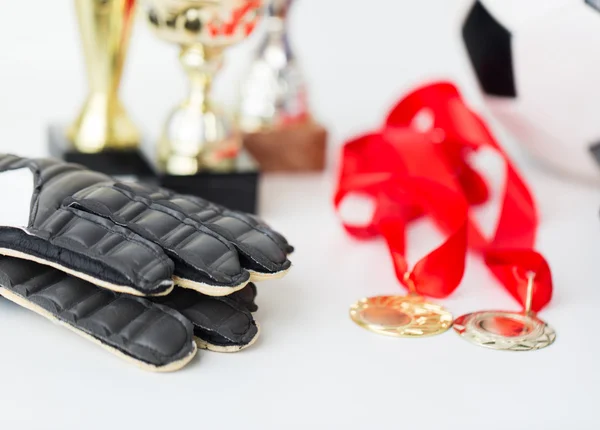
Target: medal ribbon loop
[(411, 173)]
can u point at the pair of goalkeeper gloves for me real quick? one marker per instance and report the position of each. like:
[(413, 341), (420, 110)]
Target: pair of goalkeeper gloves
[(149, 274)]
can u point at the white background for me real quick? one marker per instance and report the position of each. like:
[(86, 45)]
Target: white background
[(312, 367)]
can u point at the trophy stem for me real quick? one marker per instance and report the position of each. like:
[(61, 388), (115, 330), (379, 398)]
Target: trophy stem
[(200, 87), (103, 124), (200, 64)]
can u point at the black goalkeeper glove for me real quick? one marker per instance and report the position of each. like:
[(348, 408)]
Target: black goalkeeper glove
[(134, 238)]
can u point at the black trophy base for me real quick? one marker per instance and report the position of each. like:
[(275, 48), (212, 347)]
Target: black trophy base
[(131, 162), (237, 189)]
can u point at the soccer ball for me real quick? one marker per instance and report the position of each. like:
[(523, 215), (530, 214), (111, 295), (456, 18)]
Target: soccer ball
[(538, 65)]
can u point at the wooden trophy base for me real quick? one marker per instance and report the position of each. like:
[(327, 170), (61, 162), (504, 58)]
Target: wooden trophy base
[(293, 148), (130, 162)]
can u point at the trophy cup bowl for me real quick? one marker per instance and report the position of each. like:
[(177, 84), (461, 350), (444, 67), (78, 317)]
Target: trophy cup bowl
[(197, 136)]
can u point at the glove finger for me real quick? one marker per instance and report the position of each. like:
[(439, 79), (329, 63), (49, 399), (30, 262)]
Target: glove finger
[(276, 236), (204, 261), (246, 297), (154, 337), (221, 324), (263, 252), (93, 249)]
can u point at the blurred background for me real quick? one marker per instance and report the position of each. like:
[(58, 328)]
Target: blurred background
[(358, 58)]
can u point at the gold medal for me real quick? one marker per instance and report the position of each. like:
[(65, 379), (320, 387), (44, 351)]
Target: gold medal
[(505, 330), (510, 331), (401, 316)]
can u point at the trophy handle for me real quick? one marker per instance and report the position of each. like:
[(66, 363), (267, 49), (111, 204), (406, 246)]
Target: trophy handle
[(105, 29)]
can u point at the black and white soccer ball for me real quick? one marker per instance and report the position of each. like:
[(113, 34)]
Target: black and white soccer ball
[(538, 65)]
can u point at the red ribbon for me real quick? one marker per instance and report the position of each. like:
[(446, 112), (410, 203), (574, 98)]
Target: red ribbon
[(411, 173)]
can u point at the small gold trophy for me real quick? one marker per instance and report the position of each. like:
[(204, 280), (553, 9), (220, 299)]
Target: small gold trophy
[(199, 150), (103, 137), (197, 136), (273, 109)]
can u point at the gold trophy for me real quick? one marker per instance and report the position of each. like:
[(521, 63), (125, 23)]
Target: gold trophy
[(273, 109), (103, 137), (197, 137), (199, 150)]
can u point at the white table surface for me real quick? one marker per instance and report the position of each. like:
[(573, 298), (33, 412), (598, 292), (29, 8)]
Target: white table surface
[(312, 367)]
